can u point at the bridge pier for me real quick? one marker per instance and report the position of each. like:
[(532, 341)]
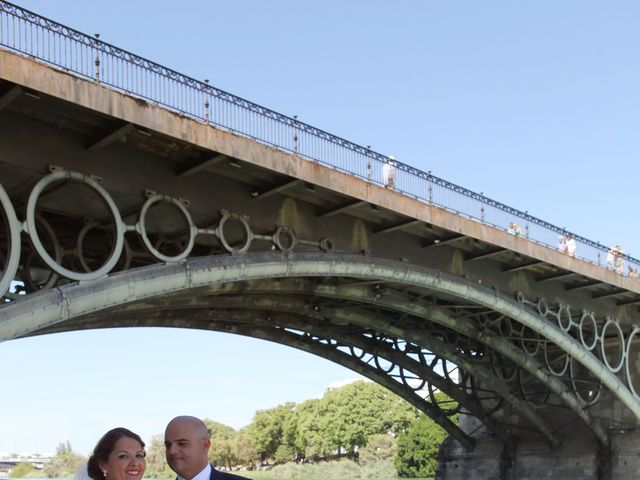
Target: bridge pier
[(577, 458)]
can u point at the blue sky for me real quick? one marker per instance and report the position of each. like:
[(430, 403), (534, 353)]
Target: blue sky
[(534, 103)]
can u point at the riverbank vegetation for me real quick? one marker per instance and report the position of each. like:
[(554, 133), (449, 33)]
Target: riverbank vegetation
[(358, 431)]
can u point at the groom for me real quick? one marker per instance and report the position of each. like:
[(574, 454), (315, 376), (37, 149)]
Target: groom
[(187, 442)]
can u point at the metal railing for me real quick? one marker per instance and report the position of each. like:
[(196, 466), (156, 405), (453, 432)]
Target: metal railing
[(89, 57)]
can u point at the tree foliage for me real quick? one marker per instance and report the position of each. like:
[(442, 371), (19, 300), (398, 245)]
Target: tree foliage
[(65, 463), (359, 410), (221, 452), (267, 429), (156, 463), (21, 470), (245, 451), (418, 446), (342, 421), (379, 447)]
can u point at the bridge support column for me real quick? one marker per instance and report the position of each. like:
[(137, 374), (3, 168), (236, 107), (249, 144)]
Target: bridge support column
[(625, 455), (578, 458)]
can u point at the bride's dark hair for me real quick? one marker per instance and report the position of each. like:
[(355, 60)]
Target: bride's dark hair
[(104, 447)]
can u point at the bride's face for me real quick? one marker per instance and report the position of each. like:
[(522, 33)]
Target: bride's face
[(126, 461)]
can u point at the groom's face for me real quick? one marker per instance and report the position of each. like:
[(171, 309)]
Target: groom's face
[(186, 449)]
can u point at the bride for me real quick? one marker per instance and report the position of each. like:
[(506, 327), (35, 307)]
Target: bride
[(118, 455)]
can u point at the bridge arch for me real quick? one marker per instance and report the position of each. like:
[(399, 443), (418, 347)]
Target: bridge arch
[(383, 300)]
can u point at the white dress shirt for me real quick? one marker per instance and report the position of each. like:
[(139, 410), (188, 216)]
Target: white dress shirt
[(203, 475)]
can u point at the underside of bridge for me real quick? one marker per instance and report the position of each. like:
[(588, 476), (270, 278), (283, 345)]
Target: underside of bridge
[(412, 329), (118, 213)]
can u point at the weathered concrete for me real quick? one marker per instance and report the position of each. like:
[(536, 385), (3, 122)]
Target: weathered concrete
[(528, 459), (625, 455), (578, 458), (34, 75)]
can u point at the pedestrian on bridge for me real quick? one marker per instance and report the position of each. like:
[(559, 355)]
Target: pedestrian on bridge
[(514, 229), (389, 172), (619, 261), (570, 248), (562, 243), (614, 259)]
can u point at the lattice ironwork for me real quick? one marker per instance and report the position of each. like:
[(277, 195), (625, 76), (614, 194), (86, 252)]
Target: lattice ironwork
[(512, 361), (404, 334)]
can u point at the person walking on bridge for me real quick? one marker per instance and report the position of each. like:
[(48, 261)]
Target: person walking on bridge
[(570, 245), (187, 443), (389, 172), (614, 259)]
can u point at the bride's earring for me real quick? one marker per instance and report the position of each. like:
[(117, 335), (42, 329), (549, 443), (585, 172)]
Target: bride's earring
[(104, 472)]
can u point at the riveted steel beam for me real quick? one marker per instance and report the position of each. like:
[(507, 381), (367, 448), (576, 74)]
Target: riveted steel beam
[(463, 325), (269, 327), (267, 300), (415, 335), (407, 305), (45, 308), (337, 356), (292, 313)]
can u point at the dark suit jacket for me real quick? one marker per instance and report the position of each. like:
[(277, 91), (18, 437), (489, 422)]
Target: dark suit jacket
[(217, 475)]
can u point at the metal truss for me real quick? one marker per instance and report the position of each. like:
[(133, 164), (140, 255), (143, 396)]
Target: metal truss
[(405, 326), (402, 325)]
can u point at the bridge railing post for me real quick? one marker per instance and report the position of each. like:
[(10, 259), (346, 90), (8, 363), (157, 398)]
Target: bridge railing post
[(206, 102), (97, 61)]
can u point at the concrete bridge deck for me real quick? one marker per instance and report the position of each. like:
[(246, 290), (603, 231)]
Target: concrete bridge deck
[(197, 152)]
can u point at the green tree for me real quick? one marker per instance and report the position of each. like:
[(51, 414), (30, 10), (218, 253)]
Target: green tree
[(156, 460), (343, 420), (381, 446), (359, 410), (64, 463), (244, 450), (21, 470), (223, 437), (284, 454), (418, 449), (266, 429), (219, 430), (302, 431)]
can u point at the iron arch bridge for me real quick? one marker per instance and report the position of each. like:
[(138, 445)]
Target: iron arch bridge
[(515, 364)]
